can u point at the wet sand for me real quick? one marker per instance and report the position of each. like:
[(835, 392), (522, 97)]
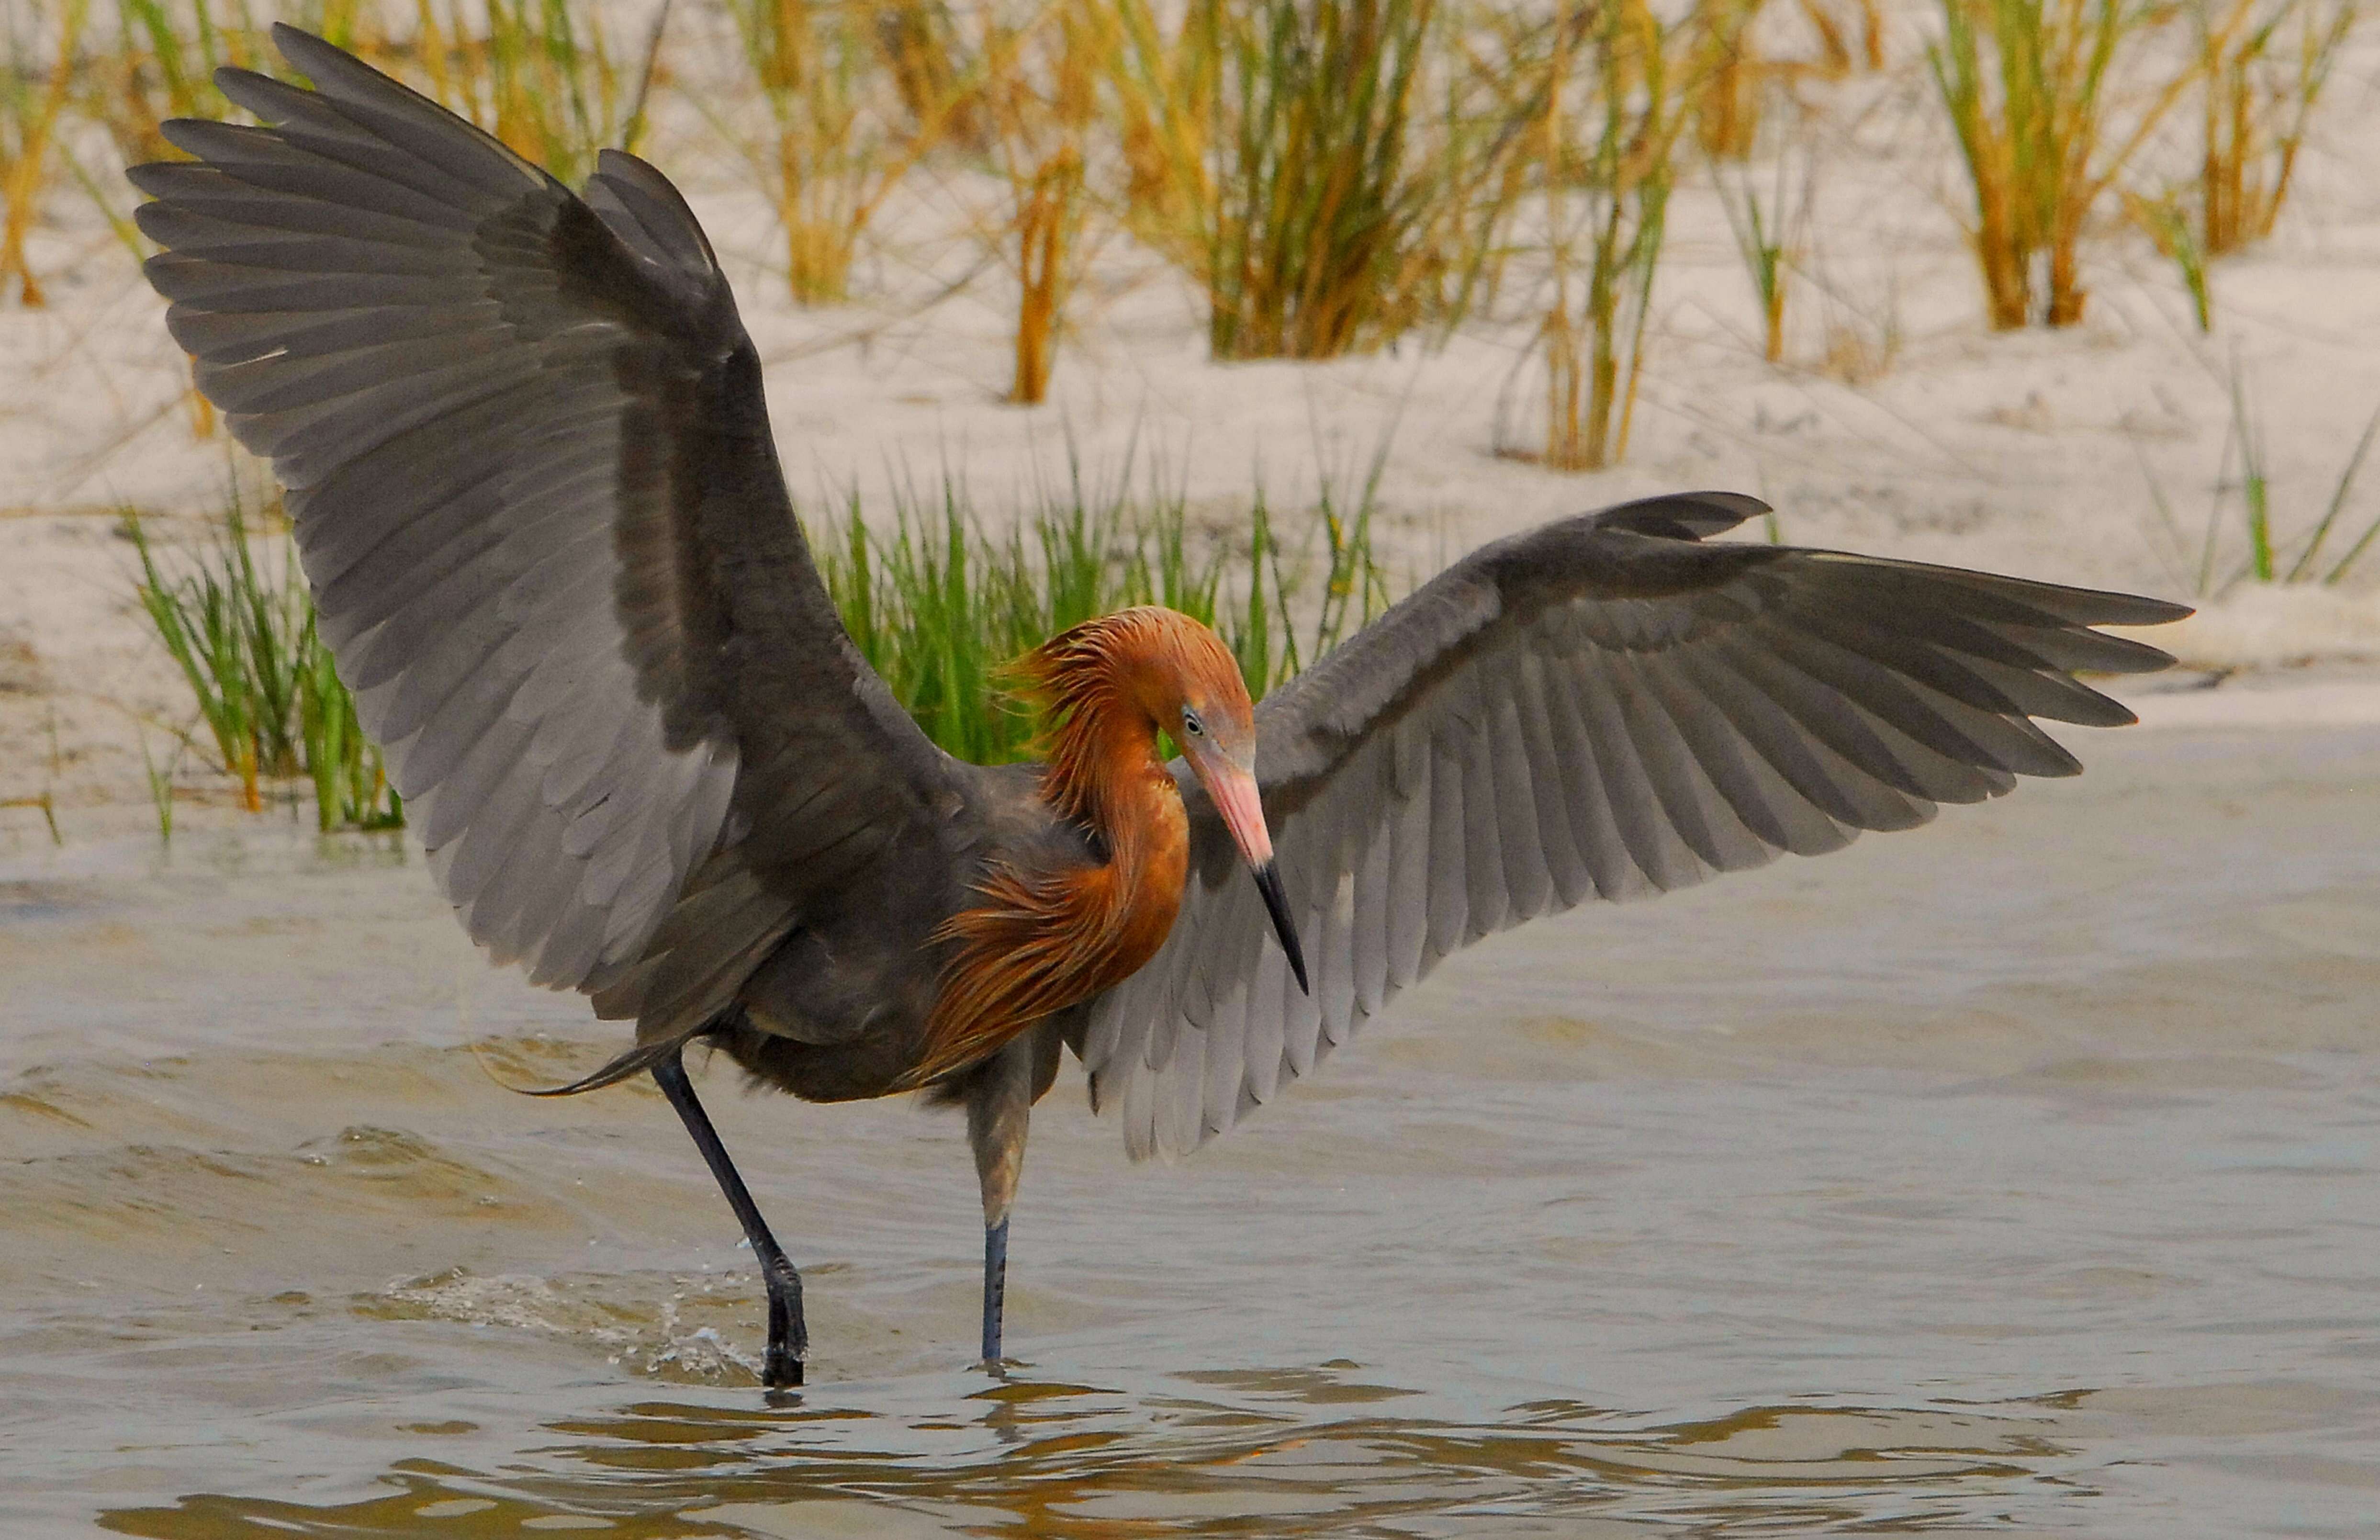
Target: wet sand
[(2012, 1176)]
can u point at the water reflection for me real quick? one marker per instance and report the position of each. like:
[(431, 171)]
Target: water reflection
[(1243, 1452)]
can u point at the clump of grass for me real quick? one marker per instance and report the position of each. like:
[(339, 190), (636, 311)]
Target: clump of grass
[(46, 800), (1615, 96), (855, 95), (938, 602), (351, 789), (35, 91), (2027, 84), (1312, 205), (1325, 185), (243, 634), (2259, 95), (235, 633)]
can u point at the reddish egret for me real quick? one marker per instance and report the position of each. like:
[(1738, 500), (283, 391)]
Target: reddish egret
[(523, 440)]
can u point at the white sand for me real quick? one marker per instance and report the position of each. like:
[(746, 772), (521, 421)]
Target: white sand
[(2029, 453)]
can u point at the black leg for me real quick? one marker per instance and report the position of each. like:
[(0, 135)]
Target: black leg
[(789, 1337), (995, 1289)]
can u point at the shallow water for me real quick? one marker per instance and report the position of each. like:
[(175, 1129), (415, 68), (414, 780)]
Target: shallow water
[(2013, 1176)]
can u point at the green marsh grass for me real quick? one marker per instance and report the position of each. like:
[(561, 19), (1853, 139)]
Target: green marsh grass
[(159, 783), (1350, 182), (939, 598), (2255, 480), (242, 632)]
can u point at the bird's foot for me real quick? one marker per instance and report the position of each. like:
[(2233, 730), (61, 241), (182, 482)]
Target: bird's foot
[(789, 1337), (782, 1370)]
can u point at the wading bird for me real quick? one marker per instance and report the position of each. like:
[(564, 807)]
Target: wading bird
[(525, 450)]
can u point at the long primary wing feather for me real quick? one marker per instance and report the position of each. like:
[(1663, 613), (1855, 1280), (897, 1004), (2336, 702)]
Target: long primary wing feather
[(530, 470), (1605, 707)]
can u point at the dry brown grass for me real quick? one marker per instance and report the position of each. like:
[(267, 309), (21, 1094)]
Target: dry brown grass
[(1729, 78), (1332, 175), (34, 95), (2031, 89), (1040, 105), (1836, 56), (2261, 68), (1618, 94), (1164, 87), (855, 93)]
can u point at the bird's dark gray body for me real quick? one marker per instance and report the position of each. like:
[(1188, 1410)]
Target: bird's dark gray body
[(839, 1010), (529, 461)]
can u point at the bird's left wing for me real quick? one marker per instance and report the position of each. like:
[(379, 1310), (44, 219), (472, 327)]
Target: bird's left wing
[(1602, 708), (531, 474)]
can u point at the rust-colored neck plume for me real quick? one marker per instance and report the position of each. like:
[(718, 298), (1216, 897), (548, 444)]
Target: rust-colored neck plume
[(1044, 940), (1102, 689)]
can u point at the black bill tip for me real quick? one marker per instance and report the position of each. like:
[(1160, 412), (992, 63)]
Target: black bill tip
[(1277, 905)]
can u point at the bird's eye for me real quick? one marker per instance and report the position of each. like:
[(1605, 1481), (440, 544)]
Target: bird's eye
[(1191, 724)]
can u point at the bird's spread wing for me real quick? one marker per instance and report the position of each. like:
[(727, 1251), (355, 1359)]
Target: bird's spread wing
[(533, 487), (1602, 708)]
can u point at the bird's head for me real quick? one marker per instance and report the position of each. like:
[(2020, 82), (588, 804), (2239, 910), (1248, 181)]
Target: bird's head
[(1176, 673)]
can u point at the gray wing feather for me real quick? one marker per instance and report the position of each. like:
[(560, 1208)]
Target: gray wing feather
[(524, 454), (1602, 708)]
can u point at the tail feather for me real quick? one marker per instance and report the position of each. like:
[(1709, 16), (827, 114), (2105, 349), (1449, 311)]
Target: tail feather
[(628, 1065)]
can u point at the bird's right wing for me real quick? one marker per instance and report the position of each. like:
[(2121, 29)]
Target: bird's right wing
[(531, 476), (1601, 708)]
